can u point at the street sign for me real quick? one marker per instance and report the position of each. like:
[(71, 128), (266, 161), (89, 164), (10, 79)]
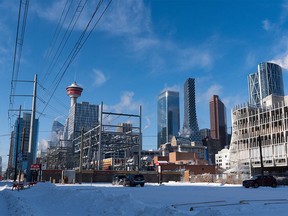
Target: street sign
[(35, 166)]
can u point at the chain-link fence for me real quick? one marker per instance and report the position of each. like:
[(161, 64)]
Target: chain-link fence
[(219, 178)]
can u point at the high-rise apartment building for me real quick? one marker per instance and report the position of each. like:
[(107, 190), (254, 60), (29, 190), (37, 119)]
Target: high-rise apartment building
[(56, 133), (266, 81), (20, 144), (168, 116), (190, 126), (81, 115), (218, 125)]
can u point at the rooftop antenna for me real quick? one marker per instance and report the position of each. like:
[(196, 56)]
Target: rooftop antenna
[(75, 76)]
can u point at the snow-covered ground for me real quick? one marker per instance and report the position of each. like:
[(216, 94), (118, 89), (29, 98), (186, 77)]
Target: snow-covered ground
[(205, 199)]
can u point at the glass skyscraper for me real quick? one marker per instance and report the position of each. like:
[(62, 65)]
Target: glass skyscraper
[(266, 81), (56, 133), (168, 116), (190, 126), (20, 144)]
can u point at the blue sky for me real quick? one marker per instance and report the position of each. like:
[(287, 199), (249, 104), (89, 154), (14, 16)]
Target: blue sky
[(137, 50)]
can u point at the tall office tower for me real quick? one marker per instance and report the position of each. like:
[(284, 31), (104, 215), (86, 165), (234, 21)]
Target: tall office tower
[(190, 126), (20, 144), (56, 133), (218, 123), (81, 115), (266, 81), (168, 116)]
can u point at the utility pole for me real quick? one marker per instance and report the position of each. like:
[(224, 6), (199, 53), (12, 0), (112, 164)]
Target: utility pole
[(31, 134), (99, 153), (17, 140), (140, 139), (81, 156), (22, 151), (261, 158)]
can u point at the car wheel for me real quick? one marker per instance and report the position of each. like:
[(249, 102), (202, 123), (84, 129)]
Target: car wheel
[(256, 185), (274, 185), (246, 186), (142, 185)]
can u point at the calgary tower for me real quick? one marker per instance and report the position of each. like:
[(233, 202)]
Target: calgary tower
[(74, 91)]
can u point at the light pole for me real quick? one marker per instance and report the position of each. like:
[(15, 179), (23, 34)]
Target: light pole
[(261, 158)]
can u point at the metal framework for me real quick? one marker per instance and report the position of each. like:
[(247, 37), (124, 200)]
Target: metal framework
[(116, 143), (267, 126), (59, 158)]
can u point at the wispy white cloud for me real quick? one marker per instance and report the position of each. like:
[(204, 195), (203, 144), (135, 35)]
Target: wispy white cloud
[(99, 77), (282, 61), (266, 25), (43, 145), (127, 18), (250, 60), (176, 88), (126, 103), (147, 123), (132, 21), (193, 57), (204, 97), (50, 11)]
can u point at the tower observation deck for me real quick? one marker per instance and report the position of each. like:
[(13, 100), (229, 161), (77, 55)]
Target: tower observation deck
[(74, 91)]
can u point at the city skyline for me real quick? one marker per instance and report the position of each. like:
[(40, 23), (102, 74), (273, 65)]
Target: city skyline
[(137, 50)]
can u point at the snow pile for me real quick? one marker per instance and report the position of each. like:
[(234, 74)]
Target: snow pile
[(173, 199), (48, 199)]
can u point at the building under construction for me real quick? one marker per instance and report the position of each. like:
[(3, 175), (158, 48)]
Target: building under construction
[(114, 144), (96, 139)]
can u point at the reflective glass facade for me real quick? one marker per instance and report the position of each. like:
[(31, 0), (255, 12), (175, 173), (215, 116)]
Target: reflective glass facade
[(168, 116), (81, 115), (266, 81), (21, 141)]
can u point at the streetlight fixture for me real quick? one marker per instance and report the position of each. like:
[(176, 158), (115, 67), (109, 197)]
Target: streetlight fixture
[(260, 149)]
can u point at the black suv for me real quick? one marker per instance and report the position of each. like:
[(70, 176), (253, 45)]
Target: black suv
[(133, 180), (259, 180), (118, 179)]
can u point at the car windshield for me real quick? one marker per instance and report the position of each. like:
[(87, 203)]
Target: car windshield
[(254, 177)]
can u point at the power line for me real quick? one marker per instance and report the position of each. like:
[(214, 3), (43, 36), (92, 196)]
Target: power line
[(21, 25), (66, 36), (64, 40), (81, 41), (56, 35)]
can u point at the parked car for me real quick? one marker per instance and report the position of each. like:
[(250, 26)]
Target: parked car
[(259, 180), (118, 179), (133, 180)]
